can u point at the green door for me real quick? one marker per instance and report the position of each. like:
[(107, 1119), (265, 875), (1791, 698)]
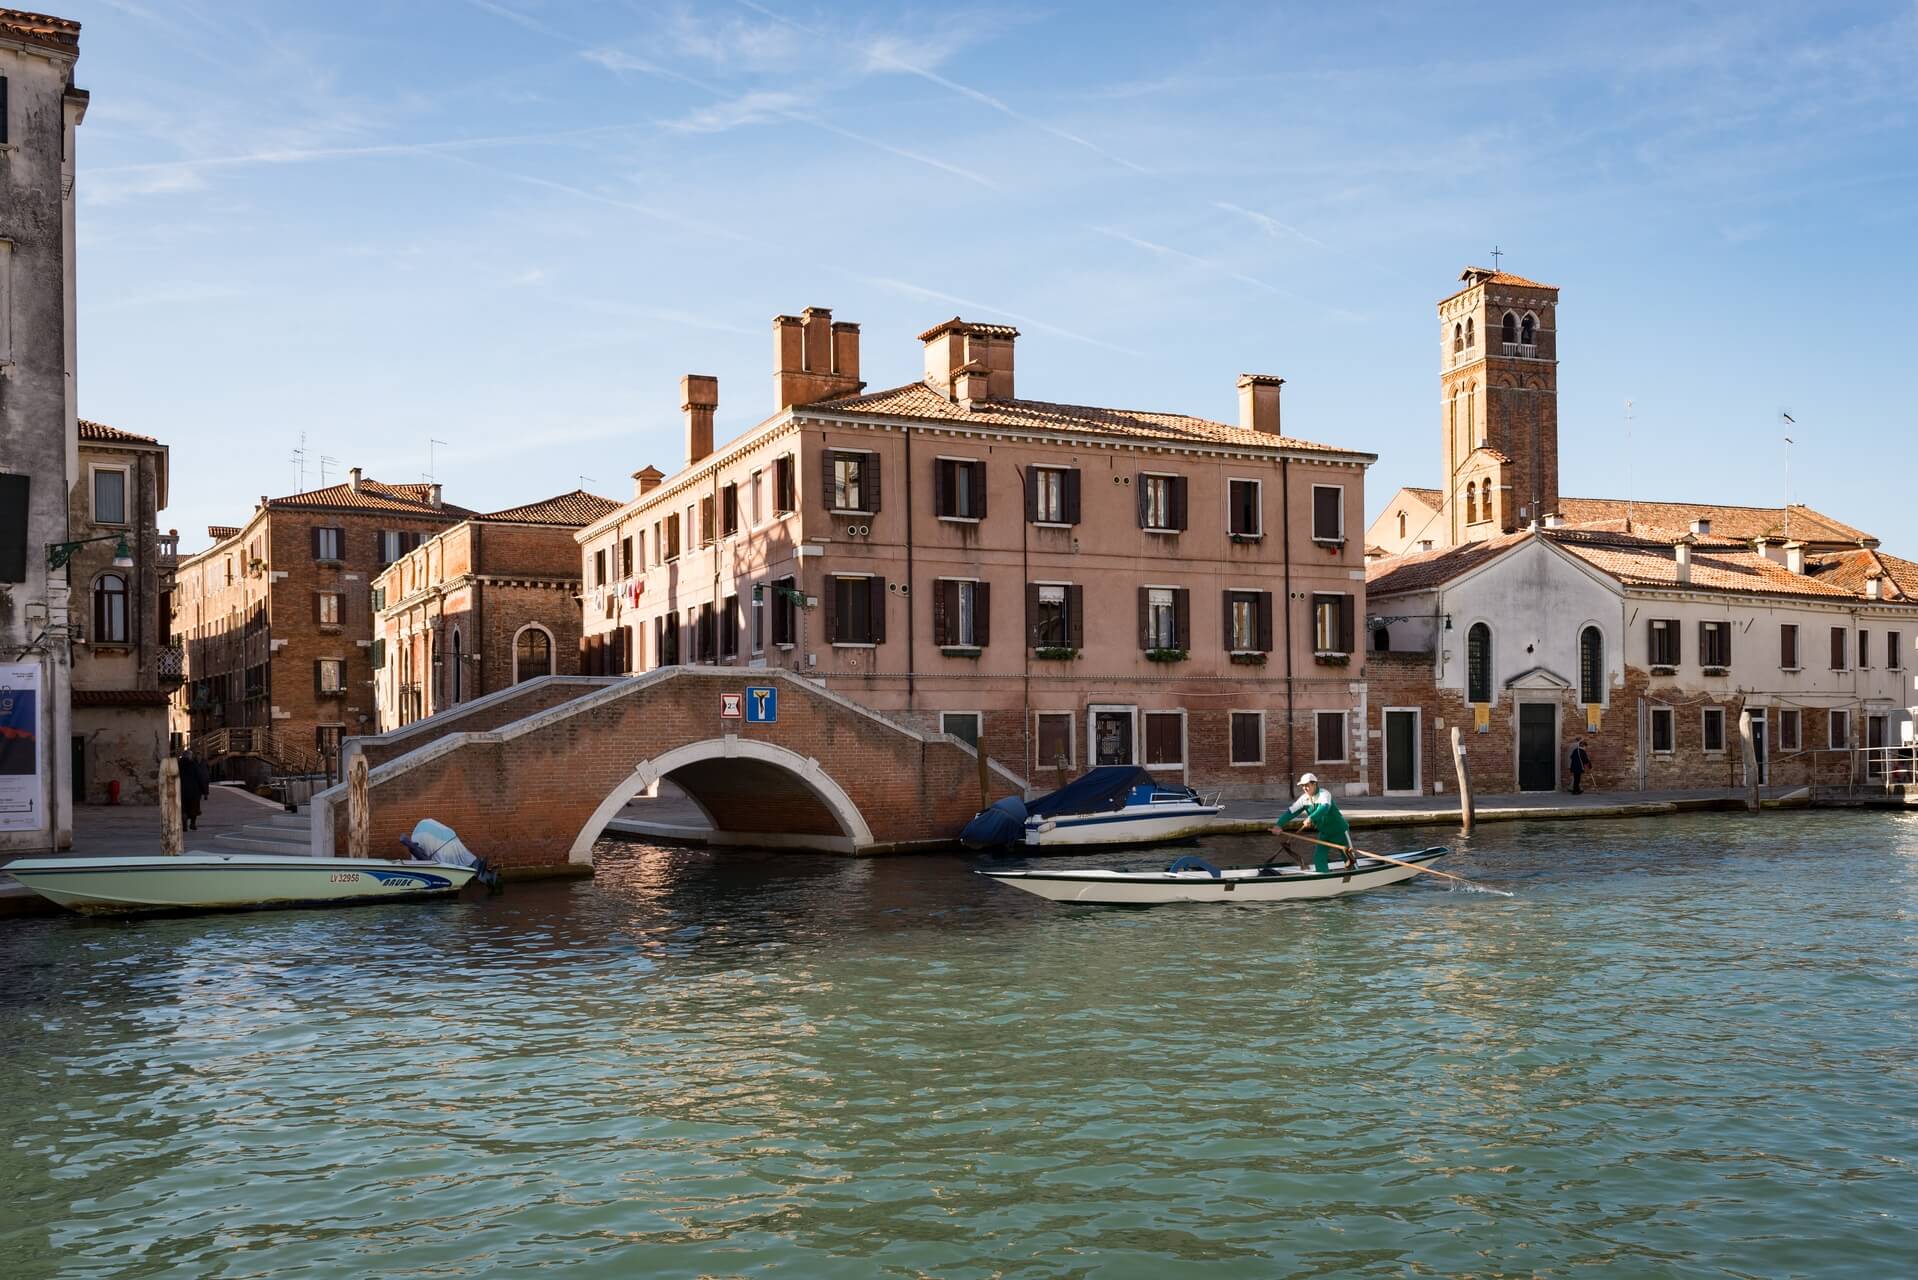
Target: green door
[(1401, 751), (1537, 746)]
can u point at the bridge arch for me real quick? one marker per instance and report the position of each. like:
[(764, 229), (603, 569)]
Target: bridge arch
[(746, 761)]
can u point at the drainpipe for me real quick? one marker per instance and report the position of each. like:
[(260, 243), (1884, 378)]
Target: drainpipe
[(1285, 522), (479, 617), (912, 649), (1025, 632)]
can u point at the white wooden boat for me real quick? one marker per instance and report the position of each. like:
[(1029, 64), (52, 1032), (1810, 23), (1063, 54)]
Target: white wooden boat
[(1110, 805), (222, 881), (1193, 880)]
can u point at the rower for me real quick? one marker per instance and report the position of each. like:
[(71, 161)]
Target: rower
[(1317, 809)]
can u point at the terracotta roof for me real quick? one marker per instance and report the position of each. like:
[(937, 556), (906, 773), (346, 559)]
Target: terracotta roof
[(221, 532), (967, 326), (411, 499), (917, 400), (573, 510), (41, 29), (119, 698), (1433, 498), (101, 431), (1421, 569), (1898, 579), (1651, 564), (1741, 523), (1486, 275)]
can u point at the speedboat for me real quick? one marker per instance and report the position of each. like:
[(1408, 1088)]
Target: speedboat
[(1110, 805), (439, 864), (1193, 879)]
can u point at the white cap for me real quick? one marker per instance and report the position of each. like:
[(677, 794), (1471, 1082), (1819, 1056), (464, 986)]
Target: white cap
[(1307, 779)]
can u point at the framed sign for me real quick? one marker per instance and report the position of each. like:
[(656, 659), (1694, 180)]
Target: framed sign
[(762, 704)]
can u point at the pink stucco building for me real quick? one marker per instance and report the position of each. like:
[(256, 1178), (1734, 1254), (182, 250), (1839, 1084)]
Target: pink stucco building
[(1066, 585)]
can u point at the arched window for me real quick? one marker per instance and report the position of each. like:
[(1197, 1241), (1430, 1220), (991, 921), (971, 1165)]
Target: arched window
[(1471, 340), (1471, 502), (110, 609), (1528, 330), (459, 670), (1458, 339), (1508, 331), (532, 653), (1471, 415), (1591, 666), (1485, 498), (1401, 526), (1478, 663)]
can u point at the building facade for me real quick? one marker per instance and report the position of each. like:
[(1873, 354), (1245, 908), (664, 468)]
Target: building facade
[(277, 623), (1065, 585), (490, 602), (128, 665), (40, 112)]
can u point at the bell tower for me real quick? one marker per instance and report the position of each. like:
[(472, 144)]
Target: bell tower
[(1498, 404)]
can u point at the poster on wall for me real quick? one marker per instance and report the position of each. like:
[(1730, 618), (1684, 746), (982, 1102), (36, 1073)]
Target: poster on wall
[(20, 754)]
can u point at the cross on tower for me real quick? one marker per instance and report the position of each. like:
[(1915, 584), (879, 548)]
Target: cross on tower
[(1497, 253)]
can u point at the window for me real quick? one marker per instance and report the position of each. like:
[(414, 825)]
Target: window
[(15, 490), (326, 608), (329, 676), (706, 633), (729, 627), (1864, 650), (729, 510), (1788, 646), (1528, 330), (852, 481), (329, 544), (626, 557), (6, 135), (785, 499), (672, 538), (326, 740), (1054, 736), (707, 529), (532, 654), (110, 609), (1248, 737), (857, 610), (1164, 739), (109, 495), (1840, 656), (1401, 526), (1471, 502), (961, 489), (758, 620), (1052, 495), (1248, 621), (1714, 644), (1242, 509), (666, 639), (1164, 619), (1508, 329), (1664, 727), (1478, 663), (1663, 634), (659, 544), (960, 613), (1839, 729), (1790, 737), (963, 725), (1458, 338), (459, 673), (1054, 615), (1894, 651), (1328, 737), (785, 612), (1876, 732), (1485, 498), (1591, 666), (756, 498), (1328, 513), (1471, 340), (1712, 726), (1162, 503), (391, 544), (599, 567), (1332, 623)]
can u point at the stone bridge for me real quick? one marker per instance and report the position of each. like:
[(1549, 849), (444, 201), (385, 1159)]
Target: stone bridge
[(530, 776)]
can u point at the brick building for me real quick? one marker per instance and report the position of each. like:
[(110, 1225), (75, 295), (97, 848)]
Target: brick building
[(124, 672), (489, 602), (1068, 585), (277, 623)]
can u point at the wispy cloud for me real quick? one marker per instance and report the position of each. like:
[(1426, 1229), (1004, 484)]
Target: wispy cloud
[(757, 107), (985, 308), (1180, 255), (1267, 223)]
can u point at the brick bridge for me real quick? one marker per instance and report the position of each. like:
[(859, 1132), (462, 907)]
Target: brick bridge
[(529, 776)]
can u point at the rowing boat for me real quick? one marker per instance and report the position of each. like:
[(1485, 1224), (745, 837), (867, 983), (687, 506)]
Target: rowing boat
[(1192, 879), (226, 881)]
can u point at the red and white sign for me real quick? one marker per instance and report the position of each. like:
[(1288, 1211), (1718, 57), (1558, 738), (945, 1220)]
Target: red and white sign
[(730, 706)]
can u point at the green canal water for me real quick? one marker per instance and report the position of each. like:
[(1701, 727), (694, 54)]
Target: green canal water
[(1684, 1049)]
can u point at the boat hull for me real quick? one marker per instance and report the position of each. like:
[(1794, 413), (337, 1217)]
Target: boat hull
[(1137, 825), (221, 882), (1150, 888)]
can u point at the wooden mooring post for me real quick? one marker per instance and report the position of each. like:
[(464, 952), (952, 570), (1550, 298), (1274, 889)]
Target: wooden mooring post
[(985, 776), (1750, 750), (1465, 812), (359, 814), (172, 829)]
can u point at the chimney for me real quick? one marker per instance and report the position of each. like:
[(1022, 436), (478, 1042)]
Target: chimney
[(955, 345), (353, 479), (1553, 520), (1701, 526), (1682, 557), (1795, 557), (814, 359), (973, 383), (1874, 585), (698, 400), (433, 494), (645, 480), (1770, 550), (1259, 402)]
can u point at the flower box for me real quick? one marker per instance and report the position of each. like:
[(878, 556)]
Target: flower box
[(1247, 537), (1332, 659), (1055, 653), (1166, 655), (1663, 669), (961, 651), (1716, 671), (1249, 659)]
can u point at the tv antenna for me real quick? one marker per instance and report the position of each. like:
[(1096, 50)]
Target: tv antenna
[(324, 460), (1628, 453), (1785, 420), (432, 466), (299, 465)]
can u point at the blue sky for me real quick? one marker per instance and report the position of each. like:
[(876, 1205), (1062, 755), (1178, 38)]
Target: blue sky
[(510, 225)]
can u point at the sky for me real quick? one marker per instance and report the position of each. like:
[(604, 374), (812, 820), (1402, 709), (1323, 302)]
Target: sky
[(509, 226)]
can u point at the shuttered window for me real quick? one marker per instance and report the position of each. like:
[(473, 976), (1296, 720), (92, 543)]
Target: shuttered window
[(1052, 495), (14, 491), (856, 612), (1162, 503), (961, 613), (1328, 745), (785, 497), (1328, 513), (1248, 737), (851, 480), (1164, 738), (1662, 642), (961, 489), (1332, 623), (1248, 621), (1715, 644), (1788, 646)]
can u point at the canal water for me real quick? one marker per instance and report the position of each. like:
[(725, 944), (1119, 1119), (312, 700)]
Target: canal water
[(1684, 1048)]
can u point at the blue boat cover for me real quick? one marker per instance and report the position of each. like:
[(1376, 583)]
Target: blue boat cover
[(1099, 791), (1003, 823)]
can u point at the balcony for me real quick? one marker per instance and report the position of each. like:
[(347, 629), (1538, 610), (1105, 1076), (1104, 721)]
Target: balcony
[(169, 548), (170, 665), (1524, 350)]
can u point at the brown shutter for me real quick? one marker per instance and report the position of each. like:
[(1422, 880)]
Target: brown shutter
[(939, 608), (316, 606), (1140, 482), (829, 603), (1726, 656), (1182, 616), (1072, 496), (316, 676), (944, 482), (1076, 616), (314, 535), (981, 614), (826, 458), (978, 489), (1225, 625), (878, 586), (1265, 621), (1032, 494), (1145, 618), (1178, 502), (1346, 627), (1032, 615), (872, 483)]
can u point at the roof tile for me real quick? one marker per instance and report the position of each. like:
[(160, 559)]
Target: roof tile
[(102, 432), (573, 510), (372, 495)]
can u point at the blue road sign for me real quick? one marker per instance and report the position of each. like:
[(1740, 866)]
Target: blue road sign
[(762, 704)]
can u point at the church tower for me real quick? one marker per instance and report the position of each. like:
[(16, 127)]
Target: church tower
[(1498, 407)]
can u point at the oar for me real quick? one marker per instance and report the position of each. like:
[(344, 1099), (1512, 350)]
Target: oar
[(1386, 857)]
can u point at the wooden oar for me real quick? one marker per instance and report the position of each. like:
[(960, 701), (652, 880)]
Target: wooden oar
[(1386, 857)]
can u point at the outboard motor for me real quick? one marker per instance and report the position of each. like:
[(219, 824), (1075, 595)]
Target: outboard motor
[(436, 842)]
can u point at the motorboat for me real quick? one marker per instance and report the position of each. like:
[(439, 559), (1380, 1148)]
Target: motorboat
[(1110, 805), (439, 864), (1193, 879)]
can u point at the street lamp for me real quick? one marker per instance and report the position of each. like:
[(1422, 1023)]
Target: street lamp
[(58, 553)]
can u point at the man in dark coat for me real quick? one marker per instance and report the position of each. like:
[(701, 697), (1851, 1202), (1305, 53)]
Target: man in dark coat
[(1581, 763), (195, 782)]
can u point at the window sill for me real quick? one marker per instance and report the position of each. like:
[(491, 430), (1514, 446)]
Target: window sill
[(1052, 524), (1325, 762), (1248, 657), (1332, 659), (1336, 543), (851, 511), (1246, 537), (330, 628), (1715, 670), (855, 644), (1791, 670), (962, 519), (1171, 533), (962, 650), (1165, 768), (330, 561), (1054, 653), (1663, 669)]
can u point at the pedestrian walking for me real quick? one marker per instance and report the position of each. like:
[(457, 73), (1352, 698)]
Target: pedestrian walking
[(195, 782), (1581, 763)]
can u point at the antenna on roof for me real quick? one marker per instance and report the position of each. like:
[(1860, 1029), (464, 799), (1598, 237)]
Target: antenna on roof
[(584, 481), (299, 465), (432, 467), (323, 461), (1497, 253), (1628, 453), (1785, 420)]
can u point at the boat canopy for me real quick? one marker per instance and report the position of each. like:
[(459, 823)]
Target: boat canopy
[(1099, 790)]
